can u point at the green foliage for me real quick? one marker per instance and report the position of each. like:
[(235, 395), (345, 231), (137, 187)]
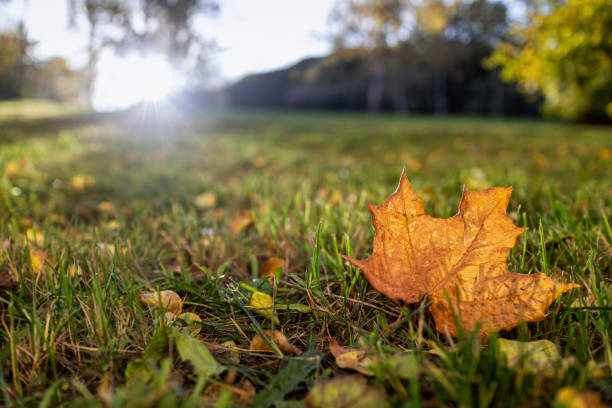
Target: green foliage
[(567, 56)]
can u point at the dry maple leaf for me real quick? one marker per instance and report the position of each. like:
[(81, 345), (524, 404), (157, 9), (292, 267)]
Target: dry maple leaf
[(460, 263)]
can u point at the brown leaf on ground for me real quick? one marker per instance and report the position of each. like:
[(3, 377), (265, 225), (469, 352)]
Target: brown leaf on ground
[(460, 263), (167, 299), (259, 344), (241, 221), (269, 267)]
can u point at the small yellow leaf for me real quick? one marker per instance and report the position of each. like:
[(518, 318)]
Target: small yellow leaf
[(259, 344), (263, 304), (74, 270), (206, 200), (352, 359), (56, 218), (569, 397), (35, 237), (191, 321), (11, 169), (111, 225), (38, 260), (81, 181), (106, 206), (167, 299)]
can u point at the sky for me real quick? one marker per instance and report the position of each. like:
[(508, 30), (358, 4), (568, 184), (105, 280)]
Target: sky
[(252, 36)]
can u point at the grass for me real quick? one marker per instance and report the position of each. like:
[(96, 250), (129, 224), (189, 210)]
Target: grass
[(305, 178)]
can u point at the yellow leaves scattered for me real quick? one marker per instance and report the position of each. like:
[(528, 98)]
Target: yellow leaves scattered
[(263, 304), (81, 181), (205, 200), (166, 299), (241, 221), (260, 345)]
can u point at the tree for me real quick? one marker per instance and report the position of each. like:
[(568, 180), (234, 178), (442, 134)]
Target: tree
[(566, 54), (161, 26), (374, 25), (14, 57)]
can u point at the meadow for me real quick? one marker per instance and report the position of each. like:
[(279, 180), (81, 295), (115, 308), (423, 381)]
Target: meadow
[(94, 214)]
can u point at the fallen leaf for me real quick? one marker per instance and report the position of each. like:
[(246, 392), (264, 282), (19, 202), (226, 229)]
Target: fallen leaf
[(205, 200), (346, 392), (11, 168), (38, 260), (81, 181), (35, 237), (56, 218), (352, 359), (263, 304), (569, 397), (537, 357), (74, 270), (167, 299), (460, 263), (192, 321), (106, 206), (259, 344), (241, 221), (269, 267), (111, 225)]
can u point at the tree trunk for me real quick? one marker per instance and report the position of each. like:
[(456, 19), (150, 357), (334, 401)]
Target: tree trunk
[(440, 95), (377, 85)]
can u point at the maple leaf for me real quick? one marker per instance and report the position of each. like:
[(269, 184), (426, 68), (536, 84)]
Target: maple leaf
[(460, 263)]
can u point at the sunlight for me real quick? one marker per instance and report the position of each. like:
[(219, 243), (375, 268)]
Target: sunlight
[(125, 81)]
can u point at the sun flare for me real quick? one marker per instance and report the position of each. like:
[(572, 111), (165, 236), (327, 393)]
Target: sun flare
[(125, 81)]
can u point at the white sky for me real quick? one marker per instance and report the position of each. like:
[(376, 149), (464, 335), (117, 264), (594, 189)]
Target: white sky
[(253, 36)]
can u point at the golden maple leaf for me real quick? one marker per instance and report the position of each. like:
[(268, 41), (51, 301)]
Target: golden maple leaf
[(460, 263)]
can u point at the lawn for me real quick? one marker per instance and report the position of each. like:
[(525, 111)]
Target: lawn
[(92, 215)]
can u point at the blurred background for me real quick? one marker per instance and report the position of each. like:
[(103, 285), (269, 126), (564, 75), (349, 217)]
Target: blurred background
[(476, 57)]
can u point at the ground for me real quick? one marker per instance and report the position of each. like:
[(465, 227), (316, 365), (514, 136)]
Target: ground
[(93, 214)]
